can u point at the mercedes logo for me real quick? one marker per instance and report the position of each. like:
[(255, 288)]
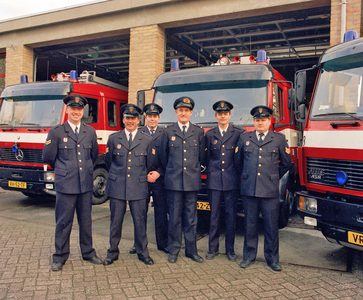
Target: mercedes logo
[(19, 155)]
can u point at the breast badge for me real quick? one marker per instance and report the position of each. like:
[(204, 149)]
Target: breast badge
[(65, 139), (119, 146), (173, 138), (247, 143)]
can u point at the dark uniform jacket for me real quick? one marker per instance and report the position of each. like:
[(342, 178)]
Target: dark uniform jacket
[(128, 167), (71, 160), (221, 172), (159, 183), (262, 165), (181, 157)]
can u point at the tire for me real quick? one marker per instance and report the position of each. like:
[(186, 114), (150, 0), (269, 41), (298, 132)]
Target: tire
[(100, 176), (286, 208), (32, 195)]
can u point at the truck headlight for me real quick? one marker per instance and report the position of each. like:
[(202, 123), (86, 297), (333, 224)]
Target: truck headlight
[(49, 176), (308, 204)]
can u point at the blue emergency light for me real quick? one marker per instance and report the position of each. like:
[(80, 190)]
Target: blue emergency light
[(23, 79), (261, 57), (350, 35), (175, 66), (73, 76), (341, 177), (14, 148)]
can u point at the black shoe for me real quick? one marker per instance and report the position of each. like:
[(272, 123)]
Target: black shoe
[(246, 263), (109, 261), (166, 250), (195, 257), (95, 260), (57, 266), (147, 260), (275, 267), (172, 258), (231, 256), (132, 250), (211, 255)]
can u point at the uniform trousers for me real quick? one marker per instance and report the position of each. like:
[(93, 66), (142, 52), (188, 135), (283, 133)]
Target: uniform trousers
[(269, 208), (139, 214), (161, 218), (65, 206), (182, 215), (230, 204)]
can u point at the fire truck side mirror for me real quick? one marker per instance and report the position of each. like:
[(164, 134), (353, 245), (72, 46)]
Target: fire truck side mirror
[(300, 86), (302, 109), (140, 98)]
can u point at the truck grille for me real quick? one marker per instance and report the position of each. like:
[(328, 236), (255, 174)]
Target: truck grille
[(30, 155), (323, 171)]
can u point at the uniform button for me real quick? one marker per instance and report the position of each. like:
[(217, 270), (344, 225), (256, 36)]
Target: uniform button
[(78, 145), (128, 168), (129, 153), (222, 170), (260, 149), (222, 146), (129, 160), (80, 168), (79, 153), (185, 168), (80, 160), (65, 147), (128, 175), (260, 156), (259, 165), (222, 162), (185, 150), (258, 174), (222, 153), (184, 142), (185, 159)]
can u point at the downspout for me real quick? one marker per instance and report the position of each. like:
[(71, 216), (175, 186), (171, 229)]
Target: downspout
[(343, 21)]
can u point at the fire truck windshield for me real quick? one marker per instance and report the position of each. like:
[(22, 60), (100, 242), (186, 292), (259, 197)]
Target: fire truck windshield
[(244, 95), (339, 90), (31, 111)]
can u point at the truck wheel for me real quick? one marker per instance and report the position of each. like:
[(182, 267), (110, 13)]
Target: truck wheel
[(100, 176), (286, 209)]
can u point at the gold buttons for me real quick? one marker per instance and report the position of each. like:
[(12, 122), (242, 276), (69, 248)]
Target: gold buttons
[(80, 160), (185, 159), (128, 175), (128, 168), (258, 174), (260, 156), (223, 162), (185, 150), (79, 153), (222, 153), (80, 168), (222, 146), (65, 147), (259, 165), (129, 160), (184, 142), (129, 153), (260, 149), (78, 145), (185, 168), (222, 170)]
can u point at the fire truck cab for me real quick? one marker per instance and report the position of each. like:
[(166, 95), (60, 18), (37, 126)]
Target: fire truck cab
[(29, 110), (245, 82), (331, 157)]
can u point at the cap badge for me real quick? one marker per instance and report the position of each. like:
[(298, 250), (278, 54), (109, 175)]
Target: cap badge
[(131, 109), (76, 99), (215, 141), (260, 110), (222, 104), (152, 107), (186, 100)]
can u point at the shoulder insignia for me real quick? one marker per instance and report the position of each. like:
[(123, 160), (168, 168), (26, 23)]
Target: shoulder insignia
[(206, 149), (48, 142), (235, 151), (287, 150), (107, 150), (153, 151)]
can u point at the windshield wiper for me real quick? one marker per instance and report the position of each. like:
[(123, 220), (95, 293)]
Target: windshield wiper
[(33, 124), (7, 124), (341, 113)]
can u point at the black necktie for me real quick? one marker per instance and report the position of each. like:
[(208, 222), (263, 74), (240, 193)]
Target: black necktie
[(260, 139), (223, 133), (76, 132), (184, 129), (152, 132), (130, 140)]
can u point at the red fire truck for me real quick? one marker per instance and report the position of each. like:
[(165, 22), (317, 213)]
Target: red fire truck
[(331, 157), (245, 82), (29, 110)]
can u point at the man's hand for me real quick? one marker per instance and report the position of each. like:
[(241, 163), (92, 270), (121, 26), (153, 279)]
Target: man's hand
[(152, 176)]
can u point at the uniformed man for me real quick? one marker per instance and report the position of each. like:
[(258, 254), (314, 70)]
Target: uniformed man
[(130, 156), (152, 113), (181, 155), (71, 149), (222, 178), (264, 157)]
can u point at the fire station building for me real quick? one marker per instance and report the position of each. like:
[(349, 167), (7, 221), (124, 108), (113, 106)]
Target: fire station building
[(131, 42)]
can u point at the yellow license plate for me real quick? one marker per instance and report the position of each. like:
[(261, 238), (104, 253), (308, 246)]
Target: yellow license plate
[(17, 184), (355, 238), (203, 205)]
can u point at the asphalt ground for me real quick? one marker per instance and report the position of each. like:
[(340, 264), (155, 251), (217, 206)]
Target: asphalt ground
[(312, 267)]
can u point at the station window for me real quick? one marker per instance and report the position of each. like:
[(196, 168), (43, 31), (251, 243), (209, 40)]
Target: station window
[(90, 114), (278, 103), (111, 114)]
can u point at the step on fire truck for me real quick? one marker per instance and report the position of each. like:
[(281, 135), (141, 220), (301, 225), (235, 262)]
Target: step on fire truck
[(29, 110), (245, 82), (331, 157)]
